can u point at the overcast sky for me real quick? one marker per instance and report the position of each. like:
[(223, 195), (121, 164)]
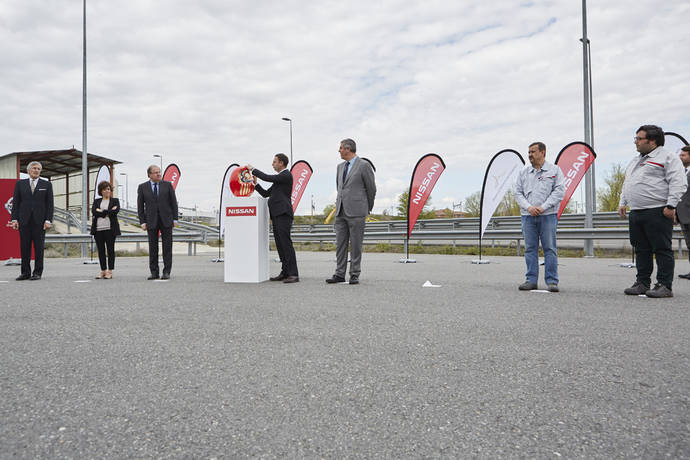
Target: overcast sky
[(205, 83)]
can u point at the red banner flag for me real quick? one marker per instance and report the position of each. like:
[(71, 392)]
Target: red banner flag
[(172, 175), (424, 177), (574, 160), (301, 173), (9, 239)]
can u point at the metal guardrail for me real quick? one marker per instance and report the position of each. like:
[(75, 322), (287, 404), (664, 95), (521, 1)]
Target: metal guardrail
[(601, 219), (130, 216), (620, 233), (78, 238)]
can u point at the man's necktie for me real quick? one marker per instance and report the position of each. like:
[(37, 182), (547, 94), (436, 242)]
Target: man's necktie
[(33, 185), (155, 190), (347, 166)]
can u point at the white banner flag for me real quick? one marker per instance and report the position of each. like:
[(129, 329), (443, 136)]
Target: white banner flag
[(103, 175), (500, 176)]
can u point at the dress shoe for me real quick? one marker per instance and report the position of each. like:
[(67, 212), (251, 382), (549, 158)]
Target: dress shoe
[(638, 288), (291, 279), (354, 280), (335, 279), (166, 276), (553, 287), (528, 286), (101, 275), (154, 276), (685, 276), (108, 275), (35, 277), (280, 277), (659, 291), (23, 277)]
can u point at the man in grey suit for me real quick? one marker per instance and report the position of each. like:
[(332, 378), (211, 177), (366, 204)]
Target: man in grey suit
[(356, 187), (683, 208)]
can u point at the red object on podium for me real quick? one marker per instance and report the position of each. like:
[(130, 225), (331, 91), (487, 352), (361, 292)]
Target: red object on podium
[(241, 182), (9, 238)]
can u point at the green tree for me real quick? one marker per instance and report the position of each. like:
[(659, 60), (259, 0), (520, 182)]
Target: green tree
[(472, 204), (508, 206), (404, 197), (609, 197)]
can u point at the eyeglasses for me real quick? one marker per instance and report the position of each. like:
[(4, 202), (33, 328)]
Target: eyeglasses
[(636, 139)]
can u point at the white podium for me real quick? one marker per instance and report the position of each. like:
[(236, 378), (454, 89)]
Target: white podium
[(246, 239)]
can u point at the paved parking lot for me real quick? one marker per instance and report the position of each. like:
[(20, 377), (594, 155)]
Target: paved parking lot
[(196, 368)]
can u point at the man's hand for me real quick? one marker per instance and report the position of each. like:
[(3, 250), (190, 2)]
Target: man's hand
[(621, 212), (255, 180), (114, 208), (249, 167), (143, 226), (46, 225), (669, 213), (14, 225), (534, 210)]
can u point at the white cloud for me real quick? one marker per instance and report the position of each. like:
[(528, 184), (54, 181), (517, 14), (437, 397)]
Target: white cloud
[(206, 83)]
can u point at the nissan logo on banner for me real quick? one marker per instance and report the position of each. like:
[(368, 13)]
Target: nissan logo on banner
[(172, 175), (238, 211), (426, 173), (301, 173), (574, 161)]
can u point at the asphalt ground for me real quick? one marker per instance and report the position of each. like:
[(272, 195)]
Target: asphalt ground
[(196, 368)]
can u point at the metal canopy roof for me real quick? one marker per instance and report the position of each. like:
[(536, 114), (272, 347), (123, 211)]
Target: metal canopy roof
[(60, 162)]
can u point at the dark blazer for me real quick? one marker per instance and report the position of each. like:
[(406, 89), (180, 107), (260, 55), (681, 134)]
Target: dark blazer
[(38, 205), (279, 194), (110, 212), (157, 213), (683, 207)]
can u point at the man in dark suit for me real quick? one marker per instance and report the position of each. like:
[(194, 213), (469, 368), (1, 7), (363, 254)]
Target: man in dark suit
[(356, 187), (280, 209), (157, 208), (683, 208), (32, 215)]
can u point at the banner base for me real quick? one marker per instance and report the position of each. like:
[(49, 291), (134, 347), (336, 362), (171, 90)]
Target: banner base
[(218, 259), (13, 262), (408, 261), (89, 262), (627, 265), (481, 261)]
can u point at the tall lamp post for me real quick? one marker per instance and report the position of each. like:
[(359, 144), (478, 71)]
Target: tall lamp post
[(126, 189), (84, 154), (590, 187), (161, 157), (290, 121)]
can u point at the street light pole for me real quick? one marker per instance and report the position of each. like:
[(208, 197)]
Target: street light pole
[(590, 187), (161, 157), (290, 121), (84, 154)]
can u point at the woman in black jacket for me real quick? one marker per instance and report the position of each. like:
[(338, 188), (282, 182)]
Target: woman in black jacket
[(105, 228)]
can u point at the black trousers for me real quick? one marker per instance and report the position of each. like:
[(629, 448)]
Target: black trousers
[(32, 233), (282, 225), (105, 242), (651, 234), (166, 238)]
